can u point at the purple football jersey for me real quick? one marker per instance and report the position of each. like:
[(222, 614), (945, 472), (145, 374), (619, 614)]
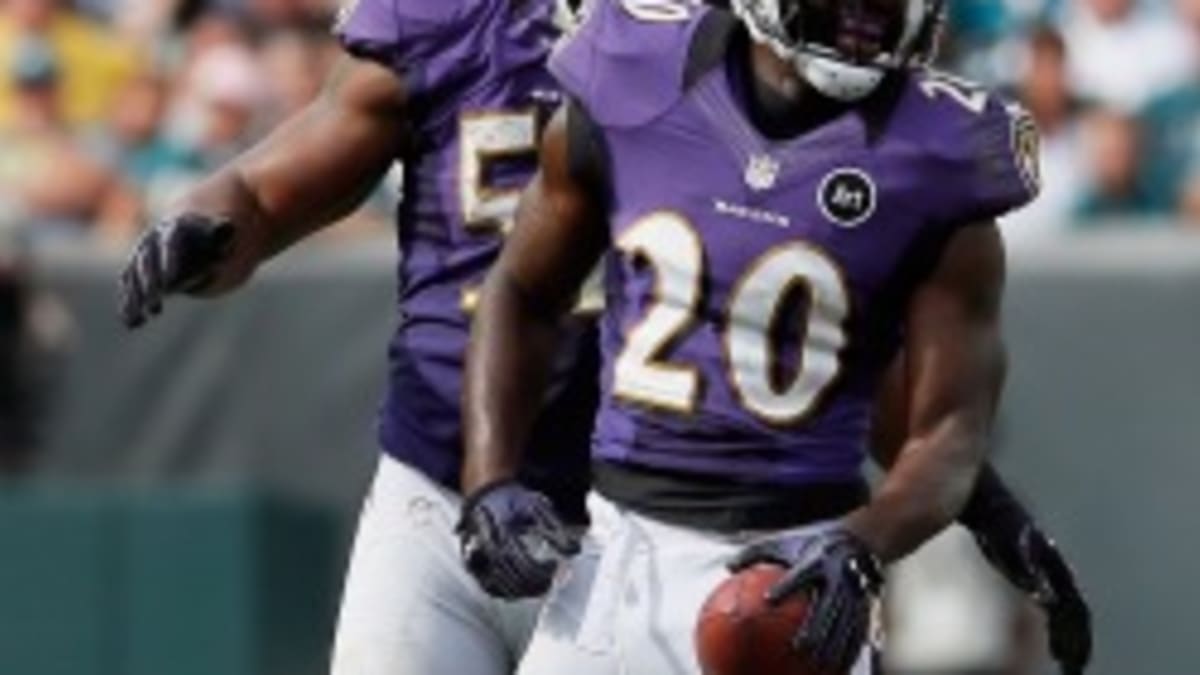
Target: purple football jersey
[(478, 91), (757, 289)]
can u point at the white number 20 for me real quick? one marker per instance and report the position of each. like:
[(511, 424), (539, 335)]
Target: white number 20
[(672, 248)]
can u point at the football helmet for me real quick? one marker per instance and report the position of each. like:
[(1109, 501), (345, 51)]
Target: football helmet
[(844, 48)]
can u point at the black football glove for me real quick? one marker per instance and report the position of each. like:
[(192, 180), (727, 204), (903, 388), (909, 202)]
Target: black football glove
[(179, 254), (512, 541), (1024, 555), (1032, 563), (844, 578)]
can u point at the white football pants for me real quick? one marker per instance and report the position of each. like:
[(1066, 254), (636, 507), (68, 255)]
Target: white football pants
[(628, 603), (409, 607)]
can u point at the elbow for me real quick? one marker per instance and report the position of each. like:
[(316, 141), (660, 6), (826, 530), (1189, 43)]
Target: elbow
[(956, 454), (956, 494)]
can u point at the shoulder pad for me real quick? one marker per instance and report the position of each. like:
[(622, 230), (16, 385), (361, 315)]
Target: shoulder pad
[(407, 36), (626, 62), (984, 145)]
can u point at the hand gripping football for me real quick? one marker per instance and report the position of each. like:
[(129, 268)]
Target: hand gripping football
[(738, 633)]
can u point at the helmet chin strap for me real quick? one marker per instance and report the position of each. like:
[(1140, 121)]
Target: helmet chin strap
[(837, 80), (831, 78)]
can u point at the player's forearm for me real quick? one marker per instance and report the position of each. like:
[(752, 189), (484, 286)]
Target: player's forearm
[(226, 195), (260, 231), (991, 508), (925, 490), (316, 169), (513, 340), (313, 170)]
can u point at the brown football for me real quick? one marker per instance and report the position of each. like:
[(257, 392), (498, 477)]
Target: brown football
[(738, 633)]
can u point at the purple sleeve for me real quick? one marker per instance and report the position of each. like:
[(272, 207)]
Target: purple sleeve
[(996, 163), (417, 39), (626, 70)]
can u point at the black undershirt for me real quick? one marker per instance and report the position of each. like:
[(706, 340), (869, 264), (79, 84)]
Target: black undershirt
[(774, 114), (721, 504)]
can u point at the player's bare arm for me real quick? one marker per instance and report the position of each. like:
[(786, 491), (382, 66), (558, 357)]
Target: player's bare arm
[(313, 170), (512, 538), (1006, 532), (955, 364), (316, 168), (560, 233)]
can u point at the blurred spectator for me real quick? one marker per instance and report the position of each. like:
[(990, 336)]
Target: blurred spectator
[(226, 91), (211, 30), (138, 21), (1112, 146), (1046, 92), (288, 13), (295, 66), (984, 36), (132, 144), (131, 140), (1171, 149), (215, 117), (45, 177), (1124, 53), (93, 63)]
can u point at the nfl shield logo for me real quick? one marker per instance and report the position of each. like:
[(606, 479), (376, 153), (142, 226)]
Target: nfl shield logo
[(761, 172)]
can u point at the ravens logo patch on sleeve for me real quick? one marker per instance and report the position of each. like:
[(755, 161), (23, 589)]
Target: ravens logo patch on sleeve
[(1026, 148)]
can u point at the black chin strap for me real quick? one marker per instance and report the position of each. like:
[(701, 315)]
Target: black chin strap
[(777, 114)]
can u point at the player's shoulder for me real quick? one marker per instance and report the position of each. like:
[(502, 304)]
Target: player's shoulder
[(950, 115), (984, 142), (396, 21), (628, 60), (429, 42)]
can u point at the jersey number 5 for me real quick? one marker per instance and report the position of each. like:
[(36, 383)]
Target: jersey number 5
[(670, 245), (485, 138)]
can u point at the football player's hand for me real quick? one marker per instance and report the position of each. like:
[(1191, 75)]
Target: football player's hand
[(178, 254), (512, 541), (1031, 562), (843, 577)]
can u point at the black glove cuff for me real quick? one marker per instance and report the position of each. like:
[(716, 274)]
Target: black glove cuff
[(863, 561), (473, 499), (870, 570), (992, 507)]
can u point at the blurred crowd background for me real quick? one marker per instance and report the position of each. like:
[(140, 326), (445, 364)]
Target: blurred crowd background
[(110, 108)]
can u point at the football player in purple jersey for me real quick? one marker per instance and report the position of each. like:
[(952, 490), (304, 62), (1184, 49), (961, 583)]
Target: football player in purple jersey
[(782, 202), (457, 91)]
